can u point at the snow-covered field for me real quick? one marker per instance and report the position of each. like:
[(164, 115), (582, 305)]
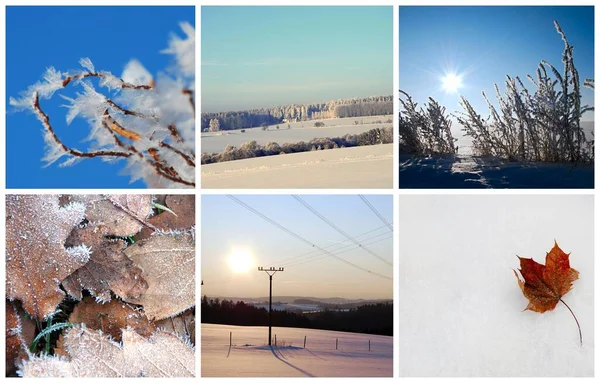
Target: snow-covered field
[(361, 167), (460, 307), (213, 142), (250, 356), (466, 171)]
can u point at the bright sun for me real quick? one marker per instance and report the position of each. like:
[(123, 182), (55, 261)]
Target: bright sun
[(451, 83), (240, 260)]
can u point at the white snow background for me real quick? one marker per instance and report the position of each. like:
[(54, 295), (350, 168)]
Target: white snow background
[(249, 355), (460, 307)]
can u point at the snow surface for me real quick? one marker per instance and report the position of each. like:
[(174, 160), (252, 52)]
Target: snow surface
[(466, 171), (213, 142), (358, 167), (250, 356), (460, 307)]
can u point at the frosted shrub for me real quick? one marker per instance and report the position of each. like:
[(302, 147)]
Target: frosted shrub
[(425, 131), (145, 121), (543, 125)]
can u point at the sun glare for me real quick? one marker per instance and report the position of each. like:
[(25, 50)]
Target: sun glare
[(240, 260), (451, 83)]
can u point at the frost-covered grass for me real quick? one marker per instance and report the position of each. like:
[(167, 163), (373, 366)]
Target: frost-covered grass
[(460, 306), (147, 121), (540, 122), (250, 356)]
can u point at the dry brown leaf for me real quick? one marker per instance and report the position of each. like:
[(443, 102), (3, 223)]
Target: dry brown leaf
[(121, 215), (20, 332), (167, 263), (184, 207), (36, 258), (183, 325), (93, 354), (111, 317), (107, 270)]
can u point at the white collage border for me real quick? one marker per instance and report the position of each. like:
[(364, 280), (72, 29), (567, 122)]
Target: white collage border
[(395, 192)]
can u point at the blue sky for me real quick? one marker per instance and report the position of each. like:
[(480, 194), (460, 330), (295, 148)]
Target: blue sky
[(40, 37), (485, 44), (267, 56), (226, 226)]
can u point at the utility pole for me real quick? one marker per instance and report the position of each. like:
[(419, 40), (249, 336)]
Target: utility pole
[(270, 271)]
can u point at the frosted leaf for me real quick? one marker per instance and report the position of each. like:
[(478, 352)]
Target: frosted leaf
[(36, 259), (121, 214), (111, 317), (184, 207), (183, 325), (87, 64), (93, 354), (135, 73), (108, 269), (183, 49), (168, 264)]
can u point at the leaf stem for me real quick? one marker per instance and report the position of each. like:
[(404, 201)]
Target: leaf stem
[(576, 321)]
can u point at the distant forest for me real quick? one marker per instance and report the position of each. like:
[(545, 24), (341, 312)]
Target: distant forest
[(354, 107), (375, 318)]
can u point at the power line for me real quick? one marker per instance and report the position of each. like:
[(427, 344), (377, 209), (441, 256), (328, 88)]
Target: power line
[(303, 261), (342, 232), (375, 211), (303, 239), (337, 245)]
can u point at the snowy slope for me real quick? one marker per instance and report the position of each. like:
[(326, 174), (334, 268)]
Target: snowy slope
[(358, 167), (250, 356), (461, 310)]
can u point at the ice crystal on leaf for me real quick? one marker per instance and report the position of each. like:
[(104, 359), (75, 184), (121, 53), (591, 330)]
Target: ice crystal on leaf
[(36, 231)]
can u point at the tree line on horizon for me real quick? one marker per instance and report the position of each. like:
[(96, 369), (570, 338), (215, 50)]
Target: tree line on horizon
[(373, 318), (353, 107)]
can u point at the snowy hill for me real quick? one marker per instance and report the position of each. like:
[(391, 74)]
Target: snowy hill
[(250, 356)]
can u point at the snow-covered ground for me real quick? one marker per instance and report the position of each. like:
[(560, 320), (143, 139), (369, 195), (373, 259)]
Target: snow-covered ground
[(250, 356), (466, 171), (460, 307), (213, 142), (368, 167)]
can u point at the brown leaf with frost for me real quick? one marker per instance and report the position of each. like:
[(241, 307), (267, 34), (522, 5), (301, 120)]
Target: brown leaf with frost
[(120, 215), (168, 265), (36, 258), (108, 268), (20, 332), (92, 354), (111, 317), (184, 207), (183, 325)]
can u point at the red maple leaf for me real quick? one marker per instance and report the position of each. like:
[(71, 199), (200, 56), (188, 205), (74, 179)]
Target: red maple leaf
[(545, 285)]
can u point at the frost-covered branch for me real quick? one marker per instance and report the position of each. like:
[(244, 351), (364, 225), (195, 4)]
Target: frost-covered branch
[(149, 122)]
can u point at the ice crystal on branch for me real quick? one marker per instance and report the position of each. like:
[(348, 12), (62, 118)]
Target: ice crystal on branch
[(148, 122)]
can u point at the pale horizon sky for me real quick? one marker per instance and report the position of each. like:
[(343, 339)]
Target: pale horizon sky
[(226, 225), (265, 56)]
